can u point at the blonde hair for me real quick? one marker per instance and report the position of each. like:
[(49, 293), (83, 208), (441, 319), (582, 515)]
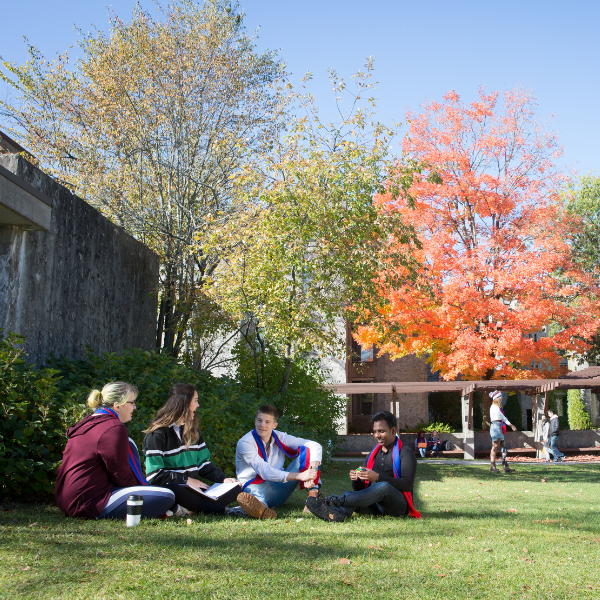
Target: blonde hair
[(115, 392), (175, 409)]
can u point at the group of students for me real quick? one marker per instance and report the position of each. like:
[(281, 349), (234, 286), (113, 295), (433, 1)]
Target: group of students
[(424, 445), (101, 465)]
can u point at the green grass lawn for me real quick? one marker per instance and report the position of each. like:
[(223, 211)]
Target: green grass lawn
[(482, 535)]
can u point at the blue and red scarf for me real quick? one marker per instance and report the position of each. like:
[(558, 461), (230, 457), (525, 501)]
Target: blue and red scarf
[(412, 511), (134, 463), (302, 452)]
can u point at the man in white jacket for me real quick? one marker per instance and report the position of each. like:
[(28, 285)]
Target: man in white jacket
[(497, 418), (259, 462)]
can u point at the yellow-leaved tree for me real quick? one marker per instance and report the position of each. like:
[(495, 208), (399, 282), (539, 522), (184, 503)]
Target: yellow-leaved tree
[(150, 124)]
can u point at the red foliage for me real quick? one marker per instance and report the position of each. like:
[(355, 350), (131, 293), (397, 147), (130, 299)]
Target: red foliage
[(495, 262)]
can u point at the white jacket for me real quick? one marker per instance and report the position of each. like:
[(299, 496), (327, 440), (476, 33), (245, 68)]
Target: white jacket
[(249, 464)]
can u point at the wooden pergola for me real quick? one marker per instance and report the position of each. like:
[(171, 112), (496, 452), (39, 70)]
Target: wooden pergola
[(538, 389)]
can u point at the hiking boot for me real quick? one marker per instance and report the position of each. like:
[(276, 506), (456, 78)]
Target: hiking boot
[(324, 510), (493, 469), (253, 507), (311, 494), (507, 469)]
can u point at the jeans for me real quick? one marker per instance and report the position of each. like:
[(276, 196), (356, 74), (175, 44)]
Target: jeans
[(422, 452), (275, 493), (554, 449), (435, 448), (380, 498)]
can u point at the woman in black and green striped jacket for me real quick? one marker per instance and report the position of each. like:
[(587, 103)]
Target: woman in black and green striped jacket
[(177, 456)]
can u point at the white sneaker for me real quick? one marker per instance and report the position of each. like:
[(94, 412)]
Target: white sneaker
[(182, 512)]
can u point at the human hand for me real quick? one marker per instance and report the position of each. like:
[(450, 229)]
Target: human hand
[(307, 476), (513, 428), (230, 480), (197, 484), (353, 475), (368, 475)]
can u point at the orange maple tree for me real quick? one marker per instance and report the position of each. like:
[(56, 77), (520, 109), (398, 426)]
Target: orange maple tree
[(494, 255)]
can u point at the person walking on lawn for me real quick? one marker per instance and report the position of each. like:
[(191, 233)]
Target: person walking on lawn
[(382, 486), (497, 418), (554, 432), (259, 460)]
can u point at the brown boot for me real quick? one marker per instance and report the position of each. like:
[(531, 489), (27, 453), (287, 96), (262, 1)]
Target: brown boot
[(311, 494)]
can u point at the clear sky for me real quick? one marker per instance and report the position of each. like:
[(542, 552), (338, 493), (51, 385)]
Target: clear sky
[(421, 50)]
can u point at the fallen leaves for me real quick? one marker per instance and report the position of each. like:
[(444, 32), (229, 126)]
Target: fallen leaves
[(345, 561)]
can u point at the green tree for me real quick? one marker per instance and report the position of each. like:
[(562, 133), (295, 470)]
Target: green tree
[(583, 202), (512, 410), (578, 416), (150, 124), (308, 242)]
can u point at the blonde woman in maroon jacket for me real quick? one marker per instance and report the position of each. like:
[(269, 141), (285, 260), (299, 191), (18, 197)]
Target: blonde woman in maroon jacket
[(101, 465)]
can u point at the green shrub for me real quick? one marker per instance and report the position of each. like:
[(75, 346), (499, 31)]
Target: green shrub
[(307, 409), (578, 417), (34, 418), (429, 427), (512, 410), (226, 411)]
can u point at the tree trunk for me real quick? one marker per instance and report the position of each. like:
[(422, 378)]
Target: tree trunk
[(486, 403), (287, 369)]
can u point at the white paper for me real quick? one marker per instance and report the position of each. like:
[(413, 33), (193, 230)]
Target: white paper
[(215, 491)]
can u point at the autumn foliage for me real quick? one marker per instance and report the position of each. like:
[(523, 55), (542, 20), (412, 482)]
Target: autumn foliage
[(495, 267)]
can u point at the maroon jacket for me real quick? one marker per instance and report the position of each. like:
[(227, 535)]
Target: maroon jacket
[(95, 461)]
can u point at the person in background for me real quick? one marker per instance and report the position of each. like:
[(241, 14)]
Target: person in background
[(545, 440), (553, 433), (101, 464), (497, 417), (434, 443), (177, 456), (384, 483), (421, 444)]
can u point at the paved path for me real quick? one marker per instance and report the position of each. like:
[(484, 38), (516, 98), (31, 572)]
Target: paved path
[(462, 461)]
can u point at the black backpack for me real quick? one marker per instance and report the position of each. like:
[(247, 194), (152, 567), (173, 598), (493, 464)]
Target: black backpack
[(446, 445)]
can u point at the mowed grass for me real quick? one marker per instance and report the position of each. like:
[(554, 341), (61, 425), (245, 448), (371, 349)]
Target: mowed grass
[(482, 536)]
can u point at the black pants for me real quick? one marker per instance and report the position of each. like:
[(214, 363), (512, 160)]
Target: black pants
[(380, 498), (191, 500)]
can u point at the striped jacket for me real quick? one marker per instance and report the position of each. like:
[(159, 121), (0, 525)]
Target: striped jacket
[(169, 461)]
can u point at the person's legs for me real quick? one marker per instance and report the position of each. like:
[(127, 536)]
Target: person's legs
[(554, 448), (435, 449), (493, 451), (422, 452), (157, 501), (191, 500), (383, 495), (378, 499)]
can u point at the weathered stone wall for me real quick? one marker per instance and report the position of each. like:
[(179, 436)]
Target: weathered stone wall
[(83, 282), (413, 408)]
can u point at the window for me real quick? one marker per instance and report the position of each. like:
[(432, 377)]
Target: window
[(362, 354), (362, 404)]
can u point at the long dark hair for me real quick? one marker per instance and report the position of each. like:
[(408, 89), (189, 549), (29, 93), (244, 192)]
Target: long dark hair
[(176, 408)]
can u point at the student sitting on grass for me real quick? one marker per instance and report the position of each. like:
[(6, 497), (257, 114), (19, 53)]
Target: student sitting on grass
[(259, 460), (176, 455), (101, 464), (382, 486)]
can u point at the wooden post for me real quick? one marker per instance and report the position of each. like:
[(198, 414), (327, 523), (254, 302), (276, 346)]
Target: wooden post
[(468, 433), (395, 412), (538, 404)]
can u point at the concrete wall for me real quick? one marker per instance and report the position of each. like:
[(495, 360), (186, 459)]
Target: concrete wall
[(589, 438), (83, 282)]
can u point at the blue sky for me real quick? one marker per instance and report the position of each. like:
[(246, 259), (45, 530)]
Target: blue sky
[(421, 50)]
